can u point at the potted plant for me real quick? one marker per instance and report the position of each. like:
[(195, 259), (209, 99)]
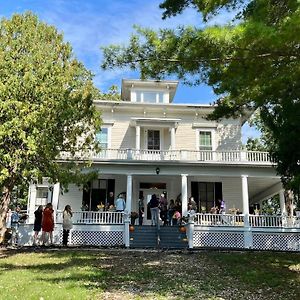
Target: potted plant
[(100, 206)]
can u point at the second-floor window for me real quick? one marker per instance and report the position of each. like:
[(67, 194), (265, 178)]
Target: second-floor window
[(205, 140), (102, 138), (153, 139)]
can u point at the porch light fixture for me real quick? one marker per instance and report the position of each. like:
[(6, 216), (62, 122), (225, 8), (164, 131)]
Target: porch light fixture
[(157, 170)]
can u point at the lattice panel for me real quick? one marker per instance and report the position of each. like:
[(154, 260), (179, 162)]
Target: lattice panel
[(276, 241), (96, 238), (218, 239)]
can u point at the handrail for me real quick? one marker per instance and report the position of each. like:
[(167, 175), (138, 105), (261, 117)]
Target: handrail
[(227, 156), (255, 221), (93, 217)]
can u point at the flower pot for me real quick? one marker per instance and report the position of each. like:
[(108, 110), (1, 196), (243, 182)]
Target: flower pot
[(182, 229)]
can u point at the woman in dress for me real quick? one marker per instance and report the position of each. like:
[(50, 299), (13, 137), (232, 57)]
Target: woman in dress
[(38, 215), (48, 223), (67, 224)]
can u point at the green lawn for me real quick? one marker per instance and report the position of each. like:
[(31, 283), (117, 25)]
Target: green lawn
[(122, 274)]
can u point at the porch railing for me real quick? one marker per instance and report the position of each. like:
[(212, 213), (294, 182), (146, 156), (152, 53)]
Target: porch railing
[(254, 220), (219, 220), (172, 155), (93, 217)]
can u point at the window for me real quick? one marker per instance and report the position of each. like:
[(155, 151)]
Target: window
[(102, 138), (41, 196), (149, 97), (206, 194), (98, 191), (205, 140), (153, 139)]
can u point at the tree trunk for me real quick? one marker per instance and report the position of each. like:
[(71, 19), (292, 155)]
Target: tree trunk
[(289, 197), (5, 200)]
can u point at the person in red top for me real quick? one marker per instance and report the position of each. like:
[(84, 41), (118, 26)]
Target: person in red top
[(48, 224)]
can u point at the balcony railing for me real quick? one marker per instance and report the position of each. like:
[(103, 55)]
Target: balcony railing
[(233, 156)]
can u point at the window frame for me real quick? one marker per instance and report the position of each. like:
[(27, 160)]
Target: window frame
[(212, 132), (108, 127)]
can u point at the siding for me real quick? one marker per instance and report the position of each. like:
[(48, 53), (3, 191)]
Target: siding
[(227, 134), (73, 197), (232, 193)]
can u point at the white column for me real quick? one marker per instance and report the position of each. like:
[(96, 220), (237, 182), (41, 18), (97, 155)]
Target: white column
[(173, 138), (282, 203), (31, 203), (247, 229), (55, 198), (129, 193), (137, 137), (184, 195)]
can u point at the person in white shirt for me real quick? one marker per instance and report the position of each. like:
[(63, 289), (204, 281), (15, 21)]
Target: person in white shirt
[(120, 203), (67, 224)]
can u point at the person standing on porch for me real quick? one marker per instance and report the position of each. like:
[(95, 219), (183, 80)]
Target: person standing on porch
[(154, 210), (120, 203), (110, 199), (141, 210), (163, 205), (67, 224), (47, 224)]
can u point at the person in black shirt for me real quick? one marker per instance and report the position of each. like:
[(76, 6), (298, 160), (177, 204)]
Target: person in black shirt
[(38, 214)]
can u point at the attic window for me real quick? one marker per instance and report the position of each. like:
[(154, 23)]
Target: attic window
[(149, 97)]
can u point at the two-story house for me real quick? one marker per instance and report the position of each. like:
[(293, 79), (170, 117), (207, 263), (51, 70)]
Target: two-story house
[(151, 146)]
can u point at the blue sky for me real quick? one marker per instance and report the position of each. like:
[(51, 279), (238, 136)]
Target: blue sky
[(90, 24)]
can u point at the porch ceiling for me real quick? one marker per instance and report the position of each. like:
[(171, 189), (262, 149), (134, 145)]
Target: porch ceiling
[(261, 188)]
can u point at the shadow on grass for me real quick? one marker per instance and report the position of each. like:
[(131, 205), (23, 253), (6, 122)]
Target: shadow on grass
[(200, 275)]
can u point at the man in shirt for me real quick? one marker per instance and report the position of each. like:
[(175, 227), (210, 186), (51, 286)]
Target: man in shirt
[(120, 203)]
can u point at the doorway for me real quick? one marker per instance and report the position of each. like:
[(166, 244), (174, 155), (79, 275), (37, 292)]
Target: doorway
[(146, 191)]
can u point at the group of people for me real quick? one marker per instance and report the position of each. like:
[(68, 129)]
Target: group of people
[(43, 221), (169, 213)]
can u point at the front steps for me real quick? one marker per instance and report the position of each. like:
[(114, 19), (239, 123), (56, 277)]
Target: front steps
[(167, 237)]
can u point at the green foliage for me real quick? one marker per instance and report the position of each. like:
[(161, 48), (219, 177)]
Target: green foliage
[(271, 206), (253, 63), (113, 94), (255, 144), (45, 104)]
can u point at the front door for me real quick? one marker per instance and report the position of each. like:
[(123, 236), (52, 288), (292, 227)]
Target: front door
[(147, 194)]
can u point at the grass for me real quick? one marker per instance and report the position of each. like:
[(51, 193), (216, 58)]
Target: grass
[(122, 274)]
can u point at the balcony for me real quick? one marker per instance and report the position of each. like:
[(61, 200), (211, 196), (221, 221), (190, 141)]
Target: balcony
[(232, 157)]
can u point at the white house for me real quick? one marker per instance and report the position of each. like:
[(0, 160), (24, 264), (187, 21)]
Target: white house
[(150, 145)]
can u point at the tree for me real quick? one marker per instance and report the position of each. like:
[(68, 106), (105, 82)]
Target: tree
[(252, 62), (112, 94), (45, 105)]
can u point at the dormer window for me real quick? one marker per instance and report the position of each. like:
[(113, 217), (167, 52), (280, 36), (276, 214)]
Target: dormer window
[(149, 97)]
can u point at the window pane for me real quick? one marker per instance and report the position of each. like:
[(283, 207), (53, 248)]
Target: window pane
[(205, 140), (150, 97), (102, 138), (153, 139)]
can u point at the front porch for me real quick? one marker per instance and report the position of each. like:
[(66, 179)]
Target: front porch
[(223, 231)]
